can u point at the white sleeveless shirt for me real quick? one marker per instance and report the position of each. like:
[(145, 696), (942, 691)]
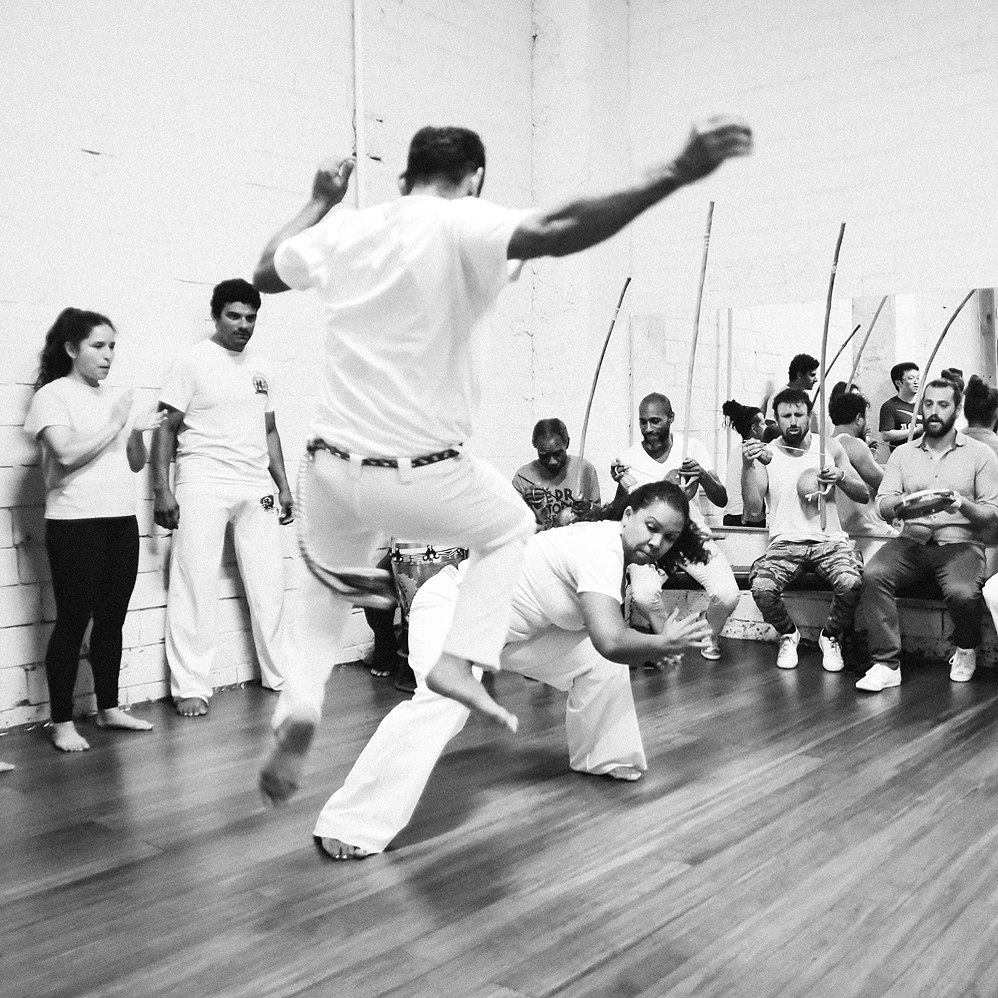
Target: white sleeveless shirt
[(789, 517)]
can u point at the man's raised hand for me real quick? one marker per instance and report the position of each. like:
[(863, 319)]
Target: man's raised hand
[(332, 179), (711, 142)]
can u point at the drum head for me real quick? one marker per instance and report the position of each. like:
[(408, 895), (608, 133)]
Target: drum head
[(926, 502)]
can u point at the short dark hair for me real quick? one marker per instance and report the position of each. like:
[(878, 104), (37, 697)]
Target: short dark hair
[(235, 289), (447, 153), (802, 363), (946, 383), (981, 405), (846, 406), (552, 427), (657, 398), (898, 371), (792, 396)]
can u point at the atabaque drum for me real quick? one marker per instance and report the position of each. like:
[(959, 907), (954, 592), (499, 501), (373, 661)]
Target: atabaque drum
[(413, 564)]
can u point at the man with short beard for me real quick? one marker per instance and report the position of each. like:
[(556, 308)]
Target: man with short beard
[(785, 479), (664, 454), (948, 544)]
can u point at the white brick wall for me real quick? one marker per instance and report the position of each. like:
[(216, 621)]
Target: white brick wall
[(152, 149)]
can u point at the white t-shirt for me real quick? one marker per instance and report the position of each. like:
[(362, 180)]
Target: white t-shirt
[(104, 486), (646, 469), (403, 287), (560, 563), (224, 396), (790, 518)]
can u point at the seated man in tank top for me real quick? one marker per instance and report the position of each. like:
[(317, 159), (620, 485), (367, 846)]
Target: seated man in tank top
[(848, 415), (787, 478)]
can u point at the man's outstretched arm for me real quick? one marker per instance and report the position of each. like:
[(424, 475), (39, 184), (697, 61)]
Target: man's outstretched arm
[(587, 221), (328, 189)]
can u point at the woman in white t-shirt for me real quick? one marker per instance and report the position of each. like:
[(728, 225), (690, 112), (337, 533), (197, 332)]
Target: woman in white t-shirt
[(90, 450), (566, 630)]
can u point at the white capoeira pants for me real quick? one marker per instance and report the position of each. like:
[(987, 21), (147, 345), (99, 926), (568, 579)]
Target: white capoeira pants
[(716, 577), (384, 786), (353, 510), (195, 567)]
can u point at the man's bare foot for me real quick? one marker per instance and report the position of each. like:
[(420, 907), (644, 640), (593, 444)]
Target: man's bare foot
[(66, 738), (628, 773), (115, 717), (5, 767), (281, 773), (452, 677), (192, 706), (335, 849)]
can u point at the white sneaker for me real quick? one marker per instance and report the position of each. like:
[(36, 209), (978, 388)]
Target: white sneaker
[(879, 677), (711, 648), (786, 657), (963, 662), (831, 653)]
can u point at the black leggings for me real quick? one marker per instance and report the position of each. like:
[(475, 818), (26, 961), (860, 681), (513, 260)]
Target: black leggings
[(94, 564)]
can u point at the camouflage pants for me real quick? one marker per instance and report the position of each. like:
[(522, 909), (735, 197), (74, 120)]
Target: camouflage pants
[(836, 561)]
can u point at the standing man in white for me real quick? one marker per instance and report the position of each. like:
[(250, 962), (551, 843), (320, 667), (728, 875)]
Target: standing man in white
[(404, 286), (220, 420)]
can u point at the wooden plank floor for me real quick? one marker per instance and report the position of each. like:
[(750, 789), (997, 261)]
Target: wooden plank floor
[(791, 838)]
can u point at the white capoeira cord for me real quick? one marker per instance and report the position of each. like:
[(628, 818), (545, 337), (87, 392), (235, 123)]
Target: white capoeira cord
[(363, 586)]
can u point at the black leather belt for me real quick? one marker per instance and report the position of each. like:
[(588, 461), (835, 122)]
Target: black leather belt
[(381, 462)]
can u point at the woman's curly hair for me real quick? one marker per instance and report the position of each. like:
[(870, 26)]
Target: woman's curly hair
[(689, 546)]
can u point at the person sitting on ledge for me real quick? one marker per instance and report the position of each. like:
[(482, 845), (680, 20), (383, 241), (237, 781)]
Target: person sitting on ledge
[(946, 541)]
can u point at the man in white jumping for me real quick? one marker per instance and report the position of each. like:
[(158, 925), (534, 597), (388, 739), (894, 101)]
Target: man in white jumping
[(404, 286), (221, 422)]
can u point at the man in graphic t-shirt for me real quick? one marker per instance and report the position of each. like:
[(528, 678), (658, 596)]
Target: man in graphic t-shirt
[(897, 412), (557, 485), (220, 419)]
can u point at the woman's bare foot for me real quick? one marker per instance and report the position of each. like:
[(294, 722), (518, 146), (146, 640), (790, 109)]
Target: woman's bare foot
[(281, 773), (335, 849), (66, 738), (5, 767), (192, 707), (452, 677), (115, 717)]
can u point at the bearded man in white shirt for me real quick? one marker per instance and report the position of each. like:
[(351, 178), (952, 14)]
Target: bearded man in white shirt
[(662, 453)]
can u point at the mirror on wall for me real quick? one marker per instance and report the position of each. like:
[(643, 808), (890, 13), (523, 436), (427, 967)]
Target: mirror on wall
[(743, 353)]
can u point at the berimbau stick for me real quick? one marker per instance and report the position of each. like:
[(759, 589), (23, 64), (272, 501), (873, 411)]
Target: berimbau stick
[(821, 391), (696, 335)]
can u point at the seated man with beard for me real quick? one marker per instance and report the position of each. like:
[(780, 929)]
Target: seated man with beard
[(947, 543), (786, 479)]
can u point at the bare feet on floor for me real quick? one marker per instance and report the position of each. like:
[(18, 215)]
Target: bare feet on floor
[(335, 849), (192, 707), (5, 767), (66, 738), (628, 773), (281, 773), (115, 717), (453, 678)]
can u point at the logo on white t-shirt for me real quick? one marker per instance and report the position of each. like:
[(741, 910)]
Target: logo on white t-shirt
[(260, 384)]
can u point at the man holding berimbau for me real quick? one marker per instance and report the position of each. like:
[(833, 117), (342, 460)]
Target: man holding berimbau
[(943, 488)]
